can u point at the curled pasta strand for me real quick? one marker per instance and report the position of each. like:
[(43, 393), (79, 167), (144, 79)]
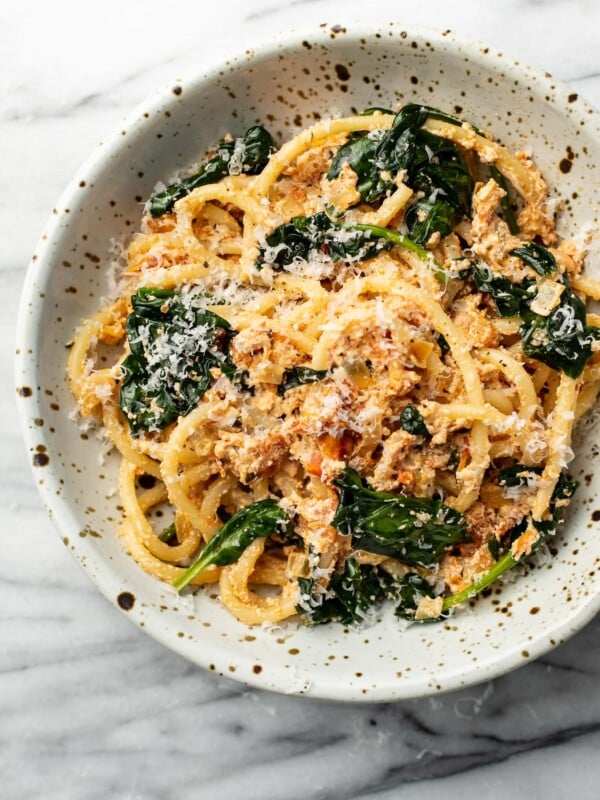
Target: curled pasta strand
[(141, 526), (249, 606), (517, 375), (121, 438)]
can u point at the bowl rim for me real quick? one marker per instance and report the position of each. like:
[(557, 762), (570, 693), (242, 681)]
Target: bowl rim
[(42, 264)]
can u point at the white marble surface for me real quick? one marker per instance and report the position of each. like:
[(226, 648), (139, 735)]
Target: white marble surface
[(89, 706)]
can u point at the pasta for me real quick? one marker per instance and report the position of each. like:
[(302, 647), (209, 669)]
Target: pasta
[(348, 369)]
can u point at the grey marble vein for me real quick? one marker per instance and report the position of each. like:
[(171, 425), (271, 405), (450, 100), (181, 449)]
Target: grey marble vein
[(91, 708)]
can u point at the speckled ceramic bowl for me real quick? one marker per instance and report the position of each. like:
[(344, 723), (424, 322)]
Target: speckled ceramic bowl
[(288, 84)]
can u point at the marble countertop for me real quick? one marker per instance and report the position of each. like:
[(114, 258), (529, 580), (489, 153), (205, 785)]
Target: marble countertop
[(90, 707)]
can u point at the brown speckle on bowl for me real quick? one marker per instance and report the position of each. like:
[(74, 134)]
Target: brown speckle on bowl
[(342, 72), (126, 601), (565, 165)]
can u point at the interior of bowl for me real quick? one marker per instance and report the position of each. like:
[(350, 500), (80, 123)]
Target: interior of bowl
[(288, 85)]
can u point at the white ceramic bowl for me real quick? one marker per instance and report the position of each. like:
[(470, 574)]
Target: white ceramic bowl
[(287, 84)]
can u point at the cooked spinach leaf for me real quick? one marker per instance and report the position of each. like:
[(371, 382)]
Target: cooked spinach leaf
[(440, 172), (411, 589), (247, 154), (414, 530), (358, 588), (360, 152), (258, 520), (174, 345), (433, 165), (439, 169), (563, 340), (411, 420), (319, 237), (424, 218), (510, 298), (350, 595), (561, 497), (377, 156), (298, 376), (563, 492), (537, 257), (517, 475)]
